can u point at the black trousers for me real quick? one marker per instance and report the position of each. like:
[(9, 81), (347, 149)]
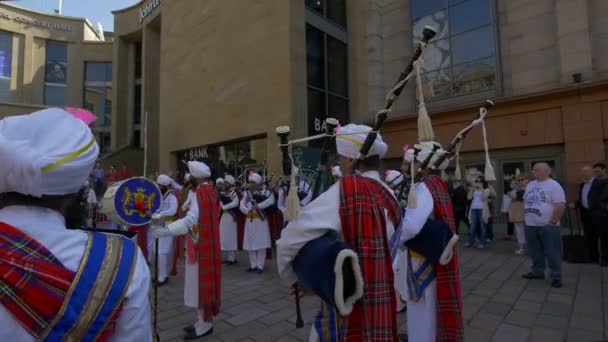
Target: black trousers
[(461, 216), (490, 228), (596, 232), (510, 225)]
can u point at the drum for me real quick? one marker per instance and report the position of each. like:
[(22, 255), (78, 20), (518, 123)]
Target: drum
[(132, 202)]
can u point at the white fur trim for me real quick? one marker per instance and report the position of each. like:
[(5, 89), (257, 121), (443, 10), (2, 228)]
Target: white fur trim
[(448, 252), (345, 306)]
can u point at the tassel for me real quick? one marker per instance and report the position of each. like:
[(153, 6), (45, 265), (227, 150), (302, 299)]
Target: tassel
[(292, 203), (457, 172), (412, 201), (489, 173), (517, 172), (444, 175), (425, 127)]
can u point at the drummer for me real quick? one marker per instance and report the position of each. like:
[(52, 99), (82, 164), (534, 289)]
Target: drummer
[(168, 212)]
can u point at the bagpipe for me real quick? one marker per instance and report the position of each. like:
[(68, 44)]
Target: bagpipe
[(341, 279), (226, 199), (253, 200)]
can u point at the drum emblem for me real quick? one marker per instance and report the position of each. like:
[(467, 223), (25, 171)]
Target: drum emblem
[(137, 203)]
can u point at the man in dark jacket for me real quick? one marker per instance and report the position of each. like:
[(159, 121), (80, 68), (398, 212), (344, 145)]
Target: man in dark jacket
[(593, 200)]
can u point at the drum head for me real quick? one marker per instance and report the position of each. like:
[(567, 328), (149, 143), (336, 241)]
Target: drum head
[(133, 195)]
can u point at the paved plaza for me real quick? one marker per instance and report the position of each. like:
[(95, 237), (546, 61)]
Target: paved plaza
[(498, 304)]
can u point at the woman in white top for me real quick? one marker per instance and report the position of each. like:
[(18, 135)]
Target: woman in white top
[(479, 214)]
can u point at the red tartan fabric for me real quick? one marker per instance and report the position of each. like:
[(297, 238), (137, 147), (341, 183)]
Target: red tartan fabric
[(142, 238), (362, 204), (34, 283), (209, 251), (449, 302), (240, 224)]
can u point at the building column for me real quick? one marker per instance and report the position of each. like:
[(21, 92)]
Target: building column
[(151, 92), (574, 39)]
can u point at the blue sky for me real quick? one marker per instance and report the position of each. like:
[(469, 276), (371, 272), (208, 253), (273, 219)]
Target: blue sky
[(94, 10)]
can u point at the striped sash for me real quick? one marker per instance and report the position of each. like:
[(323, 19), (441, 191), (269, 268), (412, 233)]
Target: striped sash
[(328, 324), (55, 304), (418, 279)]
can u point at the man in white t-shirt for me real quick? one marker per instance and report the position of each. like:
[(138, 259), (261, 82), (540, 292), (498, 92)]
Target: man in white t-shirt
[(544, 206)]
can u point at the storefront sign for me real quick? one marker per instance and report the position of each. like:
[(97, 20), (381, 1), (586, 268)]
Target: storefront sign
[(147, 9), (36, 22), (196, 153)]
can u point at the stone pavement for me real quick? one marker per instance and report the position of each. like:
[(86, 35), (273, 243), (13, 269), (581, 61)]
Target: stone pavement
[(498, 304)]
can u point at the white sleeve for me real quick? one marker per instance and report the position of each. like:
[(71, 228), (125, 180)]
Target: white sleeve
[(188, 221), (186, 204), (134, 322), (558, 195), (245, 205), (315, 220), (170, 206), (233, 204), (268, 202), (415, 218), (307, 199)]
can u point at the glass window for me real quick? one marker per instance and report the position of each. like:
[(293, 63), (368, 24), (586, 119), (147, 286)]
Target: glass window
[(437, 84), (315, 57), (437, 55), (421, 8), (54, 95), (56, 74), (138, 57), (437, 20), (473, 45), (6, 63), (461, 59), (336, 11), (337, 69), (317, 6), (469, 15), (137, 138), (98, 72), (474, 77), (137, 114), (316, 110), (337, 108)]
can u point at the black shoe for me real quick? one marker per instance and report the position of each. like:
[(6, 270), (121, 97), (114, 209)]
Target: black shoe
[(231, 263), (193, 336), (403, 337), (557, 283), (259, 271), (531, 275), (251, 270), (189, 328)]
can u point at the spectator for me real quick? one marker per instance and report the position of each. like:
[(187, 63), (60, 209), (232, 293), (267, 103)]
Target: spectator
[(125, 172), (479, 214), (544, 206), (112, 175), (593, 196), (516, 212), (460, 204), (504, 209), (99, 178)]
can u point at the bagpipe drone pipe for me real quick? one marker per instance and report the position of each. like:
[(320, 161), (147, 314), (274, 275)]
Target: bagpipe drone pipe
[(327, 265)]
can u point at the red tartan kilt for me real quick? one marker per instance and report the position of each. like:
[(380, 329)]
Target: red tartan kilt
[(275, 222), (142, 238), (240, 230)]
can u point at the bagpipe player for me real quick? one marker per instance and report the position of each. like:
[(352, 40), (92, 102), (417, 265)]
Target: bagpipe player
[(202, 284), (58, 283), (168, 213), (361, 212), (228, 221)]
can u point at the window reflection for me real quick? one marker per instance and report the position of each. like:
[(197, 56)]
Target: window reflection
[(55, 74), (475, 77), (315, 57), (437, 84), (437, 55), (6, 63), (473, 45), (469, 15), (437, 20), (336, 67), (423, 7)]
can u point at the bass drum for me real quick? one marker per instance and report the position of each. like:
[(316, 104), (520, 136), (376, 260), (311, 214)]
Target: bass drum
[(132, 202)]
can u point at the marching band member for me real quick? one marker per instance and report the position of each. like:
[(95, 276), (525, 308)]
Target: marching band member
[(304, 192), (257, 231), (228, 221), (168, 212), (45, 158), (434, 306), (188, 192), (349, 208), (202, 285)]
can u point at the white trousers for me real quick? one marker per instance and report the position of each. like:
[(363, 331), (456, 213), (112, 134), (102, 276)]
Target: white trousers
[(520, 233), (422, 316), (163, 266), (257, 259)]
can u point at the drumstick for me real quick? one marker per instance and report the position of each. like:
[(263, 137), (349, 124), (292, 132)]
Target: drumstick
[(299, 320)]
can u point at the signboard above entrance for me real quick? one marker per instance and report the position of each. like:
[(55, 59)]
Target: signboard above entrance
[(147, 9)]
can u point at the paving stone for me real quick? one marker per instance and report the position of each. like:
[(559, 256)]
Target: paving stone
[(521, 318), (511, 333), (274, 332), (546, 335), (559, 298), (556, 309), (528, 306), (498, 309), (247, 316), (486, 321), (587, 322), (239, 333), (477, 335), (504, 299), (549, 321), (579, 335)]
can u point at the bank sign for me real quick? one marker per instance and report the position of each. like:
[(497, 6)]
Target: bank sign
[(147, 9)]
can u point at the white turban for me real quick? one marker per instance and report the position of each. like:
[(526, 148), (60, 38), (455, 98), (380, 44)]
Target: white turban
[(219, 181), (349, 144), (230, 180), (393, 178), (199, 170), (49, 152), (164, 180), (336, 172), (426, 148), (187, 177), (255, 178)]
